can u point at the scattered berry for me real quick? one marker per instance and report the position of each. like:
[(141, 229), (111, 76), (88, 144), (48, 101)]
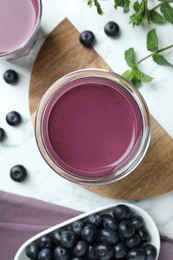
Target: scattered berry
[(2, 134), (87, 38), (10, 76), (18, 173), (111, 29), (13, 118)]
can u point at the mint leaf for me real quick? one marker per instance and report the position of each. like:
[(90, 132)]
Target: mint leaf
[(157, 18), (130, 57), (152, 40), (136, 82), (136, 6), (126, 6), (128, 74), (98, 6), (161, 60), (140, 75), (141, 13), (118, 3), (122, 3), (167, 12)]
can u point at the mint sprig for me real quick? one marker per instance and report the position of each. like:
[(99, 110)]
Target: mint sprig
[(135, 75), (141, 12)]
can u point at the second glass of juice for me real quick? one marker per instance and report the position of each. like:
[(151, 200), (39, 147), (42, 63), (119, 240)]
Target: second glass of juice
[(92, 127), (19, 25)]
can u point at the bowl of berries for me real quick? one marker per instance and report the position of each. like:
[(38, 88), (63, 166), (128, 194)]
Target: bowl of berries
[(119, 231)]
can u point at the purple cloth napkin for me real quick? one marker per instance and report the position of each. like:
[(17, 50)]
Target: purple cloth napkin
[(22, 217)]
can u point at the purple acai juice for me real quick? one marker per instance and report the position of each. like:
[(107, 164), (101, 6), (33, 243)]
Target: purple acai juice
[(17, 21), (92, 126)]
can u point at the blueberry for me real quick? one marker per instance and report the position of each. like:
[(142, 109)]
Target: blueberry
[(103, 251), (77, 227), (150, 251), (80, 248), (87, 38), (2, 134), (68, 239), (10, 76), (109, 222), (45, 242), (144, 234), (57, 235), (120, 250), (18, 173), (45, 254), (121, 212), (136, 254), (32, 250), (90, 253), (77, 258), (95, 219), (61, 253), (111, 29), (89, 233), (13, 118), (108, 236), (126, 229), (134, 241), (137, 221)]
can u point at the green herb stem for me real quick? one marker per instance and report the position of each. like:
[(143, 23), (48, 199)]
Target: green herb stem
[(156, 52), (167, 1)]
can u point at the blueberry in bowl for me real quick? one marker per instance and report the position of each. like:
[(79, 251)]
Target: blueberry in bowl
[(118, 231)]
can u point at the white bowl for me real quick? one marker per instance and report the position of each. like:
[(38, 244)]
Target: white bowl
[(149, 224)]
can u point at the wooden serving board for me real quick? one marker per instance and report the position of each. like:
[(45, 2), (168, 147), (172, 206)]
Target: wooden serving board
[(62, 53)]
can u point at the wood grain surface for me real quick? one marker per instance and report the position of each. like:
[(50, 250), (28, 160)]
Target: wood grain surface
[(62, 53)]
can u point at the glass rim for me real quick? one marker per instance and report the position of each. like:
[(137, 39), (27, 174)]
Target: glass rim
[(25, 43), (144, 142)]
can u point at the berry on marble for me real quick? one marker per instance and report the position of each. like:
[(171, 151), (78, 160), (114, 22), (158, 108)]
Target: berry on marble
[(13, 118), (87, 38), (18, 173), (111, 29), (10, 76), (2, 134)]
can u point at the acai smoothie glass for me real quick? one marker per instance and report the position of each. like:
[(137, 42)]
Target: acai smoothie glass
[(92, 127), (19, 25)]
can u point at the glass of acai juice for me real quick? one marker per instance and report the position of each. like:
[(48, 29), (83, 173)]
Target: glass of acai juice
[(19, 25), (92, 127)]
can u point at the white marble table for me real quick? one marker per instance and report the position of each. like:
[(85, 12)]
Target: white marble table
[(20, 147)]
